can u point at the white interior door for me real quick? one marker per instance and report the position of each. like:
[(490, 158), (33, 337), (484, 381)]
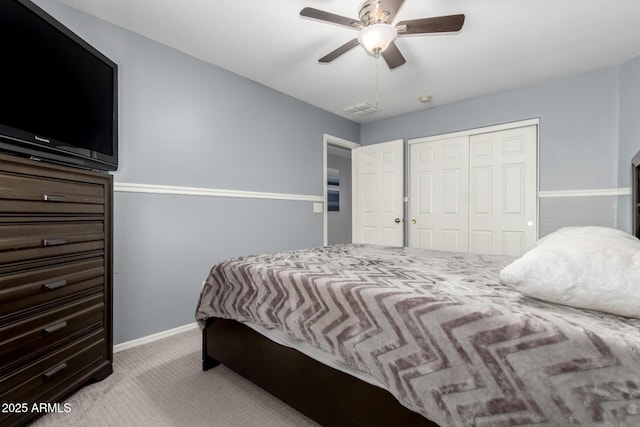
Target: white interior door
[(378, 181), (439, 194), (503, 191)]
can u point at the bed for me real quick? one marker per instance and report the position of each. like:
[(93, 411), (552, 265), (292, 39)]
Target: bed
[(371, 335)]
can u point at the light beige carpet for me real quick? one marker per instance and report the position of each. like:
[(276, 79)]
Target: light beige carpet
[(162, 384)]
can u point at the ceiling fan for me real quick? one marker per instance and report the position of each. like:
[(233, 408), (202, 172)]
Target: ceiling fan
[(377, 34)]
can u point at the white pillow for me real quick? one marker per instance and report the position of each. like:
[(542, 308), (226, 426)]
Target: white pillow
[(588, 267)]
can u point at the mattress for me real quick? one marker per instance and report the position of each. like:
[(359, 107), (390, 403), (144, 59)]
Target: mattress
[(441, 333)]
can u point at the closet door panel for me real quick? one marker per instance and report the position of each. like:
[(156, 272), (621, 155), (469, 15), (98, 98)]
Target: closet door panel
[(503, 206), (424, 183), (481, 241), (439, 191), (514, 189), (482, 191)]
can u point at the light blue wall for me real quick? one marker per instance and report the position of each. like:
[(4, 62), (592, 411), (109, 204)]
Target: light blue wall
[(165, 245), (187, 123), (578, 126), (578, 138)]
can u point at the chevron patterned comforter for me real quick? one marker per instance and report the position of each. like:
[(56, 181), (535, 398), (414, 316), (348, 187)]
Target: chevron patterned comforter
[(438, 328)]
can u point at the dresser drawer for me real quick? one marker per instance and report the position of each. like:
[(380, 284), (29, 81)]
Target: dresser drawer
[(32, 194), (23, 242), (45, 374), (34, 288), (33, 335)]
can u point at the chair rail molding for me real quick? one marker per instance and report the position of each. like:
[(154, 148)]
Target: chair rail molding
[(127, 187)]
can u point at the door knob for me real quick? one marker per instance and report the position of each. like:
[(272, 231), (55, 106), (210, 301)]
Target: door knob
[(413, 221), (397, 220)]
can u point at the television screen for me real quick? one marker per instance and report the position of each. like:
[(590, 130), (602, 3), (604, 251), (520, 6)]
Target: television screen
[(58, 94)]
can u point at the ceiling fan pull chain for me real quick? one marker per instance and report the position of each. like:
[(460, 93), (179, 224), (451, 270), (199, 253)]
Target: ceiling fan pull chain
[(376, 61)]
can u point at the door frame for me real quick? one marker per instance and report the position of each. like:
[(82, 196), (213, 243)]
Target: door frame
[(339, 142)]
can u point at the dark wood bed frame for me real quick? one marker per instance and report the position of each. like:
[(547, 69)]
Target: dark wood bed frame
[(327, 396)]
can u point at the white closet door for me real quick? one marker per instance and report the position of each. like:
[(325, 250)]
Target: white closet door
[(503, 191), (439, 184), (378, 192)]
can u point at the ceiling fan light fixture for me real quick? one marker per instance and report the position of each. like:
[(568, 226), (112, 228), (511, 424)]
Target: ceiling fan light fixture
[(376, 38)]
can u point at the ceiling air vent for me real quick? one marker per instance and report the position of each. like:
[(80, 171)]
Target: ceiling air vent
[(362, 108)]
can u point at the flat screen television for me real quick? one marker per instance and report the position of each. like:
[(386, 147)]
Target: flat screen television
[(58, 94)]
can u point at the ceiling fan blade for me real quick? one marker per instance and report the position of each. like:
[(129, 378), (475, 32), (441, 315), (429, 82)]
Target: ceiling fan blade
[(321, 15), (392, 56), (392, 7), (339, 51), (440, 24)]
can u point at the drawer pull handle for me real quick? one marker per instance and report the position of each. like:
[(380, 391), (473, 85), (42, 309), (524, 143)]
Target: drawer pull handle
[(53, 242), (55, 328), (55, 370), (54, 285), (54, 197)]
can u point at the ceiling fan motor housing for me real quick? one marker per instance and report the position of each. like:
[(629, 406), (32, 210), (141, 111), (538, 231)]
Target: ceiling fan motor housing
[(372, 12)]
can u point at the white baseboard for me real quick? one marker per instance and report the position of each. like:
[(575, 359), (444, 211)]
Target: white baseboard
[(154, 337)]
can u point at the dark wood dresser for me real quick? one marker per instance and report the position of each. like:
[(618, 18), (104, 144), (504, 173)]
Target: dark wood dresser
[(55, 284)]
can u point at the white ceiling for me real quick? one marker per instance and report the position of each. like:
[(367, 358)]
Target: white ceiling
[(504, 44)]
